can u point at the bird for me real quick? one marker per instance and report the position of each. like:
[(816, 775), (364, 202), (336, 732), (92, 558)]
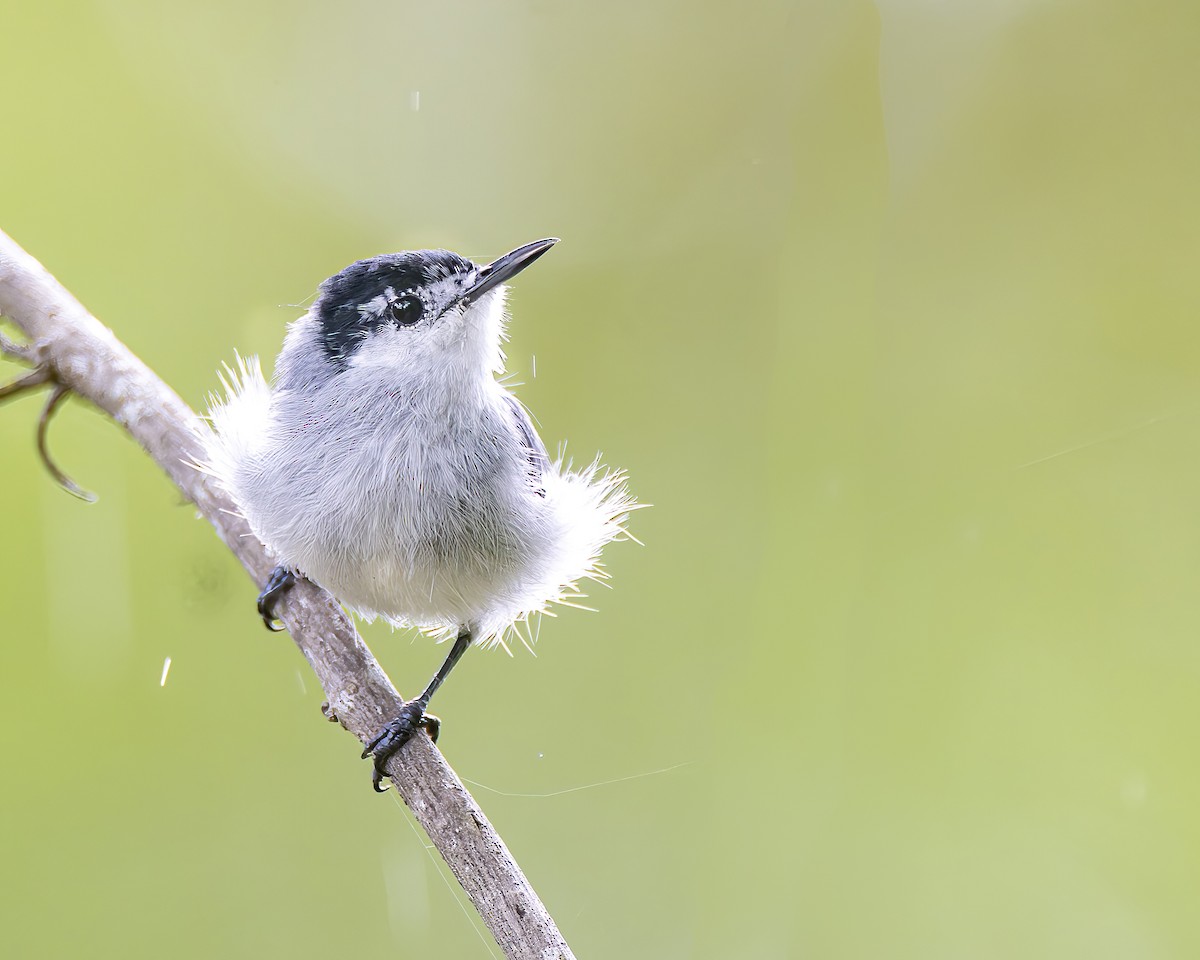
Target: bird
[(389, 462)]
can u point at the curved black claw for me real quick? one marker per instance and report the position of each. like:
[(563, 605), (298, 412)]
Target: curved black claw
[(395, 734), (279, 582)]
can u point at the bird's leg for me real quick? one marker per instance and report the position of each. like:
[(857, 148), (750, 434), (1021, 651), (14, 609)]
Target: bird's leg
[(412, 717), (279, 582)]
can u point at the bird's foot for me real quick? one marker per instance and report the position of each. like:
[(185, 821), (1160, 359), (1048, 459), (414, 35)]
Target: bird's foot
[(279, 582), (395, 734)]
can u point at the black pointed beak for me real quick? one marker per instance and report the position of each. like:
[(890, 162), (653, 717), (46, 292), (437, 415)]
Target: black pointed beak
[(506, 267)]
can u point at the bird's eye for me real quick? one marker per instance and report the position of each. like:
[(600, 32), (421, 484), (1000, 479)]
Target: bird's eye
[(406, 310)]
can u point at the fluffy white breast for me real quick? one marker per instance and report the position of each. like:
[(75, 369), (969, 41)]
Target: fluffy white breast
[(408, 503)]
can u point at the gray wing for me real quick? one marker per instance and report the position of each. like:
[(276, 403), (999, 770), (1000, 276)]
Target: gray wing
[(531, 443)]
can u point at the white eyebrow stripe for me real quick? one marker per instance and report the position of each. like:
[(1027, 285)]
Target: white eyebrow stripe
[(376, 305)]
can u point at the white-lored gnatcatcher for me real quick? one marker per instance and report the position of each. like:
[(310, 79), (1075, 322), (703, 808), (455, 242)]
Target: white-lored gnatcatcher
[(388, 464)]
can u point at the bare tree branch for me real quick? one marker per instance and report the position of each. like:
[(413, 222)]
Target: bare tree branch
[(76, 353)]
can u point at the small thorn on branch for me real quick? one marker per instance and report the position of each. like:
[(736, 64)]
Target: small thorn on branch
[(18, 351)]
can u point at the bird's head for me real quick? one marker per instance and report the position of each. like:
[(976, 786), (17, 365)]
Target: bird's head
[(422, 310)]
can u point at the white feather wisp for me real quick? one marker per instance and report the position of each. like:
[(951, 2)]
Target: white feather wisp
[(239, 422), (592, 505)]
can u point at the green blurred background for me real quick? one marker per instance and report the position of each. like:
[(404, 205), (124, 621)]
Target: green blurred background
[(890, 310)]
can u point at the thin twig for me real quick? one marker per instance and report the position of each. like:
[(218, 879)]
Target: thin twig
[(88, 360), (57, 396), (35, 378)]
